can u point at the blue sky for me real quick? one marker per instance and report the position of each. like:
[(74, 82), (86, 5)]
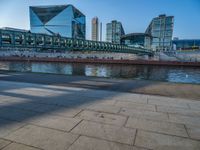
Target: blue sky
[(135, 15)]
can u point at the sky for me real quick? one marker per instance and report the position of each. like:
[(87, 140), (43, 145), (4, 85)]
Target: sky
[(135, 15)]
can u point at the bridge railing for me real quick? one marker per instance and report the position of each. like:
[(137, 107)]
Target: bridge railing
[(17, 39)]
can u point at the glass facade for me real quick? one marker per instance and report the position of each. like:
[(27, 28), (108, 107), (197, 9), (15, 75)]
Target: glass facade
[(63, 20), (186, 44), (137, 39), (161, 29), (114, 32)]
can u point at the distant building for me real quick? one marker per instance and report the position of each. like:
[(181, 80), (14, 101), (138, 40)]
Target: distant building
[(14, 29), (64, 20), (114, 31), (186, 44), (161, 29), (137, 39), (95, 29)]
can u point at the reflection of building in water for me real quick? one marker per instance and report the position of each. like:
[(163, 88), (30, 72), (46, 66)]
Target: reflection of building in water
[(4, 65), (78, 69), (99, 71), (20, 66), (57, 68)]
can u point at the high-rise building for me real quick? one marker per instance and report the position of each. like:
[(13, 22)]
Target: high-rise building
[(114, 31), (95, 29), (161, 30), (63, 20)]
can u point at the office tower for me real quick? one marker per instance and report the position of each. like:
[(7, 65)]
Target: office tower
[(95, 29), (114, 31), (63, 20), (161, 30)]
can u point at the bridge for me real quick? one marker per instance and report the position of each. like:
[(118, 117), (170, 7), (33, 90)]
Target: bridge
[(11, 39)]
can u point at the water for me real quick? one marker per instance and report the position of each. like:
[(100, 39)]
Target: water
[(158, 73)]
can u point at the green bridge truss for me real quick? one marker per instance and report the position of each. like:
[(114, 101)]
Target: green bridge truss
[(27, 40)]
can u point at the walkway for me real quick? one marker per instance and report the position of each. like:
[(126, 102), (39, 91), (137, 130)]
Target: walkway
[(47, 117)]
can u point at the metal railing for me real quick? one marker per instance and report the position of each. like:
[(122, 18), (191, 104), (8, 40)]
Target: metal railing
[(27, 40)]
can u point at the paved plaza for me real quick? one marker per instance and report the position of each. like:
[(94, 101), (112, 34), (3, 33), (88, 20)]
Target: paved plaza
[(49, 117)]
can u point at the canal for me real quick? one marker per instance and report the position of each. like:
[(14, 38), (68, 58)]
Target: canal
[(158, 73)]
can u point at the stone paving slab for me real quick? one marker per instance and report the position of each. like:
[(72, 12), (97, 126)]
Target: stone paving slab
[(135, 98), (102, 117), (87, 143), (77, 118), (160, 141), (194, 131), (144, 114), (55, 122), (195, 105), (184, 119), (43, 138), (134, 105), (4, 143), (168, 102), (157, 126), (7, 126), (68, 112), (106, 132), (16, 146), (104, 108), (16, 114), (179, 111)]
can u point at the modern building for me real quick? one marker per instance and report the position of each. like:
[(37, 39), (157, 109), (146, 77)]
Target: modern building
[(63, 20), (95, 29), (186, 44), (114, 32), (137, 40), (14, 29), (161, 30)]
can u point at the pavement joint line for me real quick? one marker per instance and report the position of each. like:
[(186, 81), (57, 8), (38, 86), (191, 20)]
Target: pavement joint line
[(70, 131), (117, 114), (168, 116), (25, 124), (156, 108), (6, 144), (103, 123), (12, 142), (98, 138), (135, 136), (78, 113), (189, 106), (147, 99), (146, 130), (60, 130), (126, 121), (74, 142), (187, 131), (169, 135)]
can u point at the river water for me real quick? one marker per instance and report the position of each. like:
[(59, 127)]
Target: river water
[(158, 73)]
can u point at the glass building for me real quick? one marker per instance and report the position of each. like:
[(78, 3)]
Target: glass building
[(186, 44), (161, 30), (63, 20), (137, 39), (114, 31), (95, 29)]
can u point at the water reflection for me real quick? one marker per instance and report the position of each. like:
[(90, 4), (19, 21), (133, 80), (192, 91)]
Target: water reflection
[(160, 73)]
